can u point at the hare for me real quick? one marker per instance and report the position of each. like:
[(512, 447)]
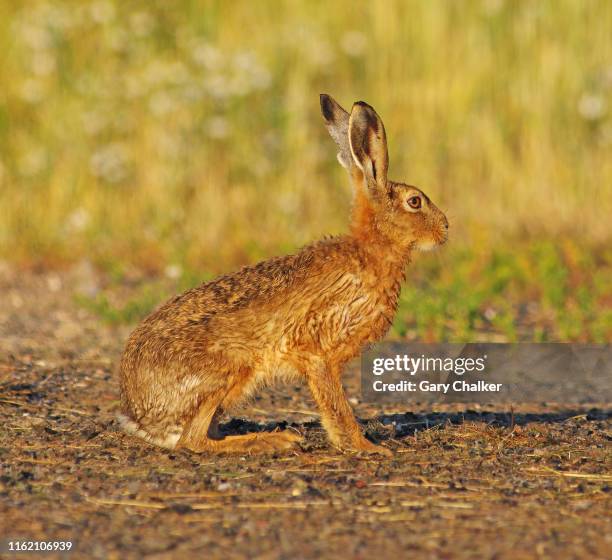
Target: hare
[(298, 316)]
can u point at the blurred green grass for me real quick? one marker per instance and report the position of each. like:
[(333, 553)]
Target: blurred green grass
[(186, 136), (537, 292)]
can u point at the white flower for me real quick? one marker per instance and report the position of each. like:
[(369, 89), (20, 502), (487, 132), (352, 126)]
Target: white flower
[(591, 106), (54, 283), (492, 7), (102, 11), (217, 86), (167, 145), (320, 53), (288, 202), (35, 36), (261, 78), (94, 122), (135, 86), (32, 162), (32, 91), (142, 23), (43, 63), (490, 313), (354, 43), (160, 73), (117, 39), (173, 271), (249, 73), (78, 219), (217, 127), (207, 56), (110, 163), (162, 103)]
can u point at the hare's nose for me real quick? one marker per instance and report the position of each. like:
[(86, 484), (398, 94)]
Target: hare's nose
[(445, 223)]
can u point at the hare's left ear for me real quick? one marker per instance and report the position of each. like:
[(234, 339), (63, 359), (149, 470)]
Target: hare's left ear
[(368, 142), (337, 123)]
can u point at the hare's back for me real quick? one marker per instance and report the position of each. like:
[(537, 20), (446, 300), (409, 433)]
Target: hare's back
[(246, 287), (274, 290)]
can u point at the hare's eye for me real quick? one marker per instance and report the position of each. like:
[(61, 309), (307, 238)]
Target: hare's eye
[(414, 202)]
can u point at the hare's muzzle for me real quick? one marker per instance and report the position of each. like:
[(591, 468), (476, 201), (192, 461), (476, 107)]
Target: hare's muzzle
[(436, 231)]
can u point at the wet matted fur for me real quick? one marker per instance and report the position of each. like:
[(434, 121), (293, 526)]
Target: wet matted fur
[(302, 315)]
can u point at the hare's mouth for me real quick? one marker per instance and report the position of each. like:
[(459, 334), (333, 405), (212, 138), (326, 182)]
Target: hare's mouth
[(437, 240)]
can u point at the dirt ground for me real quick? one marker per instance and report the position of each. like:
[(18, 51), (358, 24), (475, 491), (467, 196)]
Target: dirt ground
[(464, 481)]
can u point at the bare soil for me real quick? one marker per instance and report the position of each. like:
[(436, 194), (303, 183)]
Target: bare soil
[(464, 482)]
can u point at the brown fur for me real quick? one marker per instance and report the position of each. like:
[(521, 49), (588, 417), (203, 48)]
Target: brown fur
[(302, 315)]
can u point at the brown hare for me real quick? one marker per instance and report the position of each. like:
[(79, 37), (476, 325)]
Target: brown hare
[(299, 316)]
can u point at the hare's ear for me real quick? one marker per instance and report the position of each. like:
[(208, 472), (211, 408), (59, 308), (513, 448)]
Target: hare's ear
[(368, 143), (337, 123)]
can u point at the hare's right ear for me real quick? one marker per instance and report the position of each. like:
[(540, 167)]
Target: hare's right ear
[(337, 123), (368, 142)]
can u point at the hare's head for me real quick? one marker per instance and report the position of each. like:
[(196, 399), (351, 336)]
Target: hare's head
[(402, 213)]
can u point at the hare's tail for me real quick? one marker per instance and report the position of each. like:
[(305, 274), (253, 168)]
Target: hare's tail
[(168, 439)]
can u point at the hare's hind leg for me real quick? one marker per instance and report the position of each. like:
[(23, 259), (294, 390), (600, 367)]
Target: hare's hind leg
[(201, 435), (203, 429), (203, 425), (261, 442), (336, 414)]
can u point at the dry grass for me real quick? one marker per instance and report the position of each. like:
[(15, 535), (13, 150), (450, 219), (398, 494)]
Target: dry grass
[(191, 135)]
